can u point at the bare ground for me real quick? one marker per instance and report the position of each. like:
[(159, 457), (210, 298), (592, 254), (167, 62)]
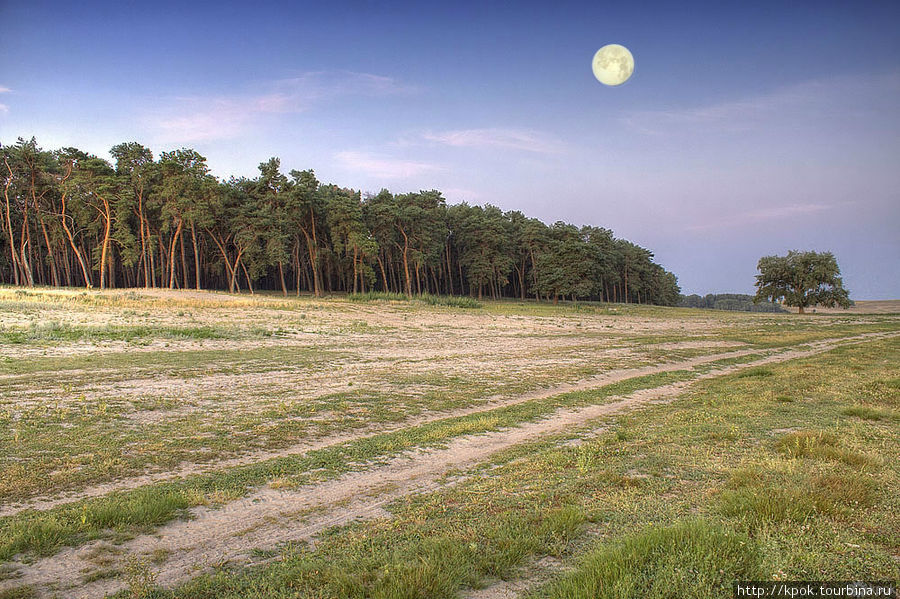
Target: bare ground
[(484, 405), (859, 307), (271, 517)]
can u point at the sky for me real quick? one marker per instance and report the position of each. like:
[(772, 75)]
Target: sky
[(747, 129)]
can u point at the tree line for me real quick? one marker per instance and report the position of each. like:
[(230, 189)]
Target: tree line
[(70, 218), (739, 302)]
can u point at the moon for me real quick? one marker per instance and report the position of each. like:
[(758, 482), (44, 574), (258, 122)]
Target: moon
[(613, 64)]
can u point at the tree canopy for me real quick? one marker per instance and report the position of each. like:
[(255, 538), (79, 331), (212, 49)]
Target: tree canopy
[(68, 218), (801, 279)]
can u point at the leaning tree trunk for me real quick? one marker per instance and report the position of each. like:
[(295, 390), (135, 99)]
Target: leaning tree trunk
[(106, 235), (281, 276), (12, 245), (172, 254)]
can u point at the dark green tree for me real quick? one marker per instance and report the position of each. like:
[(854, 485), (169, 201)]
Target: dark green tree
[(270, 193), (136, 169), (307, 209), (70, 218)]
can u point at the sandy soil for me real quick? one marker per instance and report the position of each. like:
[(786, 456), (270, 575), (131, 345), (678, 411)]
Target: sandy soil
[(270, 517), (490, 403), (859, 307)]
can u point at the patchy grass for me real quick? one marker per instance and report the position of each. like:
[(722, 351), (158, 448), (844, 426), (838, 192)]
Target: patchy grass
[(378, 296), (19, 592), (653, 506), (787, 432), (692, 558), (130, 512), (820, 445), (757, 372), (42, 533), (454, 301), (56, 331), (871, 413)]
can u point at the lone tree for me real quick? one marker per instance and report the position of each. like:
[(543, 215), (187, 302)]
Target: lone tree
[(802, 279)]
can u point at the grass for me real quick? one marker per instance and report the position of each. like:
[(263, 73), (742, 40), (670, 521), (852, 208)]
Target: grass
[(378, 296), (870, 413), (432, 567), (43, 533), (672, 511), (690, 558), (454, 301), (130, 512), (19, 592), (56, 331), (820, 445), (812, 437), (756, 372)]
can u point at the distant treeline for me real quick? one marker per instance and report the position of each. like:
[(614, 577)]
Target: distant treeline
[(72, 219), (728, 301)]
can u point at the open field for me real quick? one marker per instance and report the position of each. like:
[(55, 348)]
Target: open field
[(192, 444), (860, 307)]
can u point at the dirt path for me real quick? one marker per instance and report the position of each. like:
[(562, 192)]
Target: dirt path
[(529, 576), (270, 517), (490, 403), (487, 404)]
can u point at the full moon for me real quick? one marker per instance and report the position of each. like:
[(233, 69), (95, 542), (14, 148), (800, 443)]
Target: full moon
[(613, 64)]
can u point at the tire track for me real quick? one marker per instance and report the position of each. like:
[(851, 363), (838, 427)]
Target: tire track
[(270, 517)]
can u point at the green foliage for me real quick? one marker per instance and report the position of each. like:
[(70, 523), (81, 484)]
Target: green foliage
[(802, 279), (729, 301), (169, 223)]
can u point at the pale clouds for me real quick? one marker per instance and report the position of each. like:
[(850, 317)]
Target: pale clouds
[(383, 167), (4, 109), (750, 217), (203, 118), (322, 85), (460, 194), (507, 139), (836, 98), (196, 119)]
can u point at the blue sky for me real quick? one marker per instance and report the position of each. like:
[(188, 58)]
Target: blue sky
[(747, 129)]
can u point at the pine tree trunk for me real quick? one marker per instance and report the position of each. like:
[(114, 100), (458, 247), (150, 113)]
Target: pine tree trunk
[(172, 254), (355, 267), (196, 257), (106, 235), (184, 273), (281, 276), (383, 274), (247, 274), (12, 244), (406, 263)]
